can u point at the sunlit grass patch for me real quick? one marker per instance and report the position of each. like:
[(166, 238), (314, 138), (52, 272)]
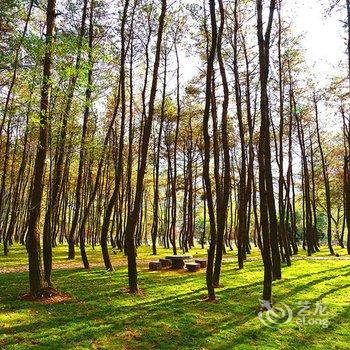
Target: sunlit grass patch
[(171, 314)]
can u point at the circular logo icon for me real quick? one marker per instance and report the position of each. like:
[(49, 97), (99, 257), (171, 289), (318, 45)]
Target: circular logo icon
[(280, 313)]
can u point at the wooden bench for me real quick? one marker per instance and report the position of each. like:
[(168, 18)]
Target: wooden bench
[(165, 262), (193, 267), (201, 262), (155, 265)]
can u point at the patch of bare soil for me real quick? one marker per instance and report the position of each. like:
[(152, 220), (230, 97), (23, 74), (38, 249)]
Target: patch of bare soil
[(132, 334), (140, 291), (206, 299), (46, 296), (73, 265), (141, 262)]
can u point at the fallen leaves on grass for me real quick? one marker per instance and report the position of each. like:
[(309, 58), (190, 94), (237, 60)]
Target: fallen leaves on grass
[(46, 296)]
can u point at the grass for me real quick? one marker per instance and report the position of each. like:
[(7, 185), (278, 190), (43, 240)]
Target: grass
[(18, 256), (171, 313)]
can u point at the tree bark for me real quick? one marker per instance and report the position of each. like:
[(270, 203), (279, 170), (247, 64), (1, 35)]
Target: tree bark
[(206, 136), (133, 218), (326, 181), (33, 236), (268, 220)]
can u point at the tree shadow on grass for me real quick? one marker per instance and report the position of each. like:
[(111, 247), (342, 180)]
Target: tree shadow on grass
[(167, 320), (171, 315)]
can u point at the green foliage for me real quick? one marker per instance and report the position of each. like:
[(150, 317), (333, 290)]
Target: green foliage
[(321, 219)]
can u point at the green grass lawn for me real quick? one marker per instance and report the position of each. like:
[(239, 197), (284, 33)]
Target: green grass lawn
[(171, 314), (18, 256)]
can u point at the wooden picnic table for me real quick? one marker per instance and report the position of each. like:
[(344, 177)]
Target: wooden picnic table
[(177, 261)]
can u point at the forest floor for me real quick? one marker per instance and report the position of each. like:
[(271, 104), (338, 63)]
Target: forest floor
[(170, 314)]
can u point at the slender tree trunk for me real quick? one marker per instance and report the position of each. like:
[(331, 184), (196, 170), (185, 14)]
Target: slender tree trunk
[(306, 187), (206, 164), (82, 154), (326, 182), (242, 202), (347, 134), (154, 230), (133, 218), (223, 206), (281, 184), (120, 159), (272, 267), (33, 236), (174, 182), (52, 210)]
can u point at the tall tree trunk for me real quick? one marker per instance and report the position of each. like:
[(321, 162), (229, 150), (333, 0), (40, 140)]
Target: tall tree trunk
[(155, 224), (282, 227), (347, 134), (242, 202), (326, 181), (223, 205), (52, 210), (272, 267), (306, 186), (346, 131), (82, 154), (174, 179), (33, 236), (206, 164), (120, 159), (133, 218)]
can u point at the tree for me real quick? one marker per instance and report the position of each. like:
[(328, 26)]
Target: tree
[(120, 156), (33, 237), (133, 217), (272, 267), (325, 179), (206, 136), (224, 197)]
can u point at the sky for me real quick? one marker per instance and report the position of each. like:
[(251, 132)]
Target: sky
[(323, 42), (324, 37)]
